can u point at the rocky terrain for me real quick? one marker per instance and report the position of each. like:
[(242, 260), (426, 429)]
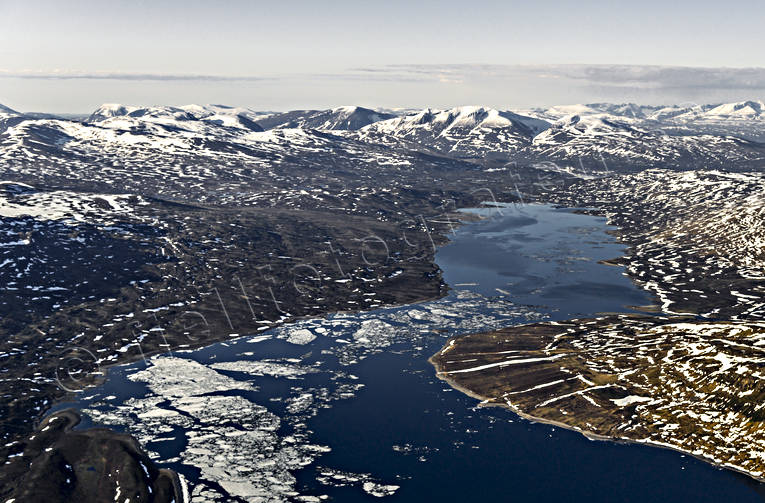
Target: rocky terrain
[(91, 465), (621, 146), (696, 238), (687, 385)]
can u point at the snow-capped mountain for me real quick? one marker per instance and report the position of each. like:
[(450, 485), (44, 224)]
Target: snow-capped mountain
[(189, 117), (743, 110), (604, 141), (179, 151), (700, 114), (9, 117), (468, 132), (224, 115), (626, 112), (108, 110), (172, 153), (347, 118), (673, 113), (5, 110), (622, 136), (743, 118)]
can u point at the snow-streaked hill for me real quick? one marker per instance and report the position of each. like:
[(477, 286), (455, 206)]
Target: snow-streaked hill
[(347, 118), (743, 118), (468, 131), (188, 117), (742, 110), (607, 142), (175, 155), (689, 232), (177, 151)]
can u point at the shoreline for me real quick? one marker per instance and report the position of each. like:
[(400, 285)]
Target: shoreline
[(464, 218), (487, 402)]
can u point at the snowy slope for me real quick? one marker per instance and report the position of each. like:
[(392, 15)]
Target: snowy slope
[(5, 110), (468, 131), (189, 117), (180, 152), (178, 155), (9, 117), (602, 141), (626, 112), (744, 119), (743, 110), (343, 118)]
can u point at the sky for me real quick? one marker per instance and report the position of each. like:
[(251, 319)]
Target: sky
[(71, 56)]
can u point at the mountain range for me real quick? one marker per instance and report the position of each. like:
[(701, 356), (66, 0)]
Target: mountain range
[(194, 143)]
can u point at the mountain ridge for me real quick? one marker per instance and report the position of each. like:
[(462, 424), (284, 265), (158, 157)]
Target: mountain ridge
[(481, 135), (340, 118)]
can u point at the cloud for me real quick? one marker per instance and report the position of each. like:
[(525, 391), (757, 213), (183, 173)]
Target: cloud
[(616, 76), (670, 77), (71, 75), (404, 85)]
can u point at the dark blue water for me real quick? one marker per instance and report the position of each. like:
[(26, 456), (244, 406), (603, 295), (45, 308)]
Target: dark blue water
[(503, 458), (534, 255), (540, 255)]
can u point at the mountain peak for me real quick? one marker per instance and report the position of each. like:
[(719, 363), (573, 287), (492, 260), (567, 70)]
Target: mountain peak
[(347, 109), (740, 109), (108, 110), (5, 110), (468, 131), (348, 118)]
